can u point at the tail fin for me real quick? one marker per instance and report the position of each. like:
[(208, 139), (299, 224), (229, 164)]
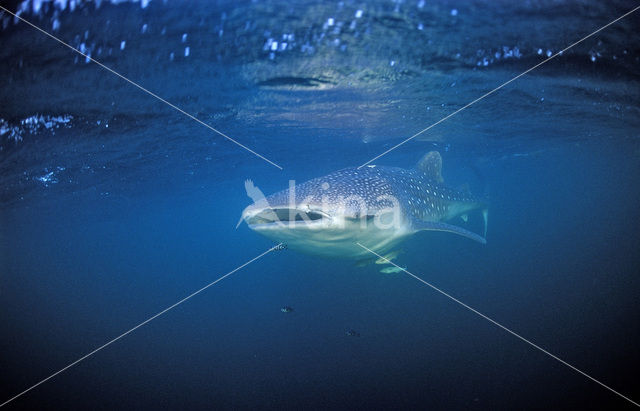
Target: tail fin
[(485, 216)]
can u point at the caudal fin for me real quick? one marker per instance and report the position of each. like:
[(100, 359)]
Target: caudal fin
[(485, 216)]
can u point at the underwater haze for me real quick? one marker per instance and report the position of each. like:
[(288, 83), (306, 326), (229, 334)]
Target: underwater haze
[(115, 206)]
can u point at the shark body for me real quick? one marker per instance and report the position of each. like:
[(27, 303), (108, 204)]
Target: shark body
[(376, 206)]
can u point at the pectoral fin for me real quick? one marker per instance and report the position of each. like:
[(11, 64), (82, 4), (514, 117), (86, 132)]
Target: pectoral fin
[(390, 256), (438, 226)]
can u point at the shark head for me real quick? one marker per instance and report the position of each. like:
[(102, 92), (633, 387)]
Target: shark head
[(377, 207), (329, 215)]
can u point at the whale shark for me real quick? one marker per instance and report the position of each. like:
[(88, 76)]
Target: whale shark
[(376, 206)]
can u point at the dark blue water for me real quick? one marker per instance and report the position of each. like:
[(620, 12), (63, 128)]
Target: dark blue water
[(114, 206)]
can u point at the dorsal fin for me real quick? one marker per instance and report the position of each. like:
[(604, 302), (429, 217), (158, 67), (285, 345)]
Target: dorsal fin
[(431, 164)]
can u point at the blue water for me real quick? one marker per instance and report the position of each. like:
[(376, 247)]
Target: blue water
[(114, 206)]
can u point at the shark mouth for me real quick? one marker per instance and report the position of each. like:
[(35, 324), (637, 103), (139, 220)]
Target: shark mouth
[(269, 217)]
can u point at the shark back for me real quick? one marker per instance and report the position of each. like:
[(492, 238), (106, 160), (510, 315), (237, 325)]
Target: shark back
[(425, 199)]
